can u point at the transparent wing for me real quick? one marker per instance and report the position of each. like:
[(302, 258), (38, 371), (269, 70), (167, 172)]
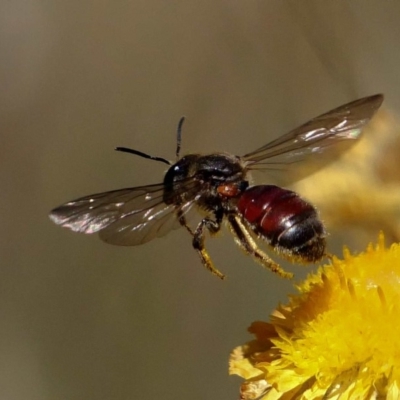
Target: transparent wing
[(320, 140), (126, 217)]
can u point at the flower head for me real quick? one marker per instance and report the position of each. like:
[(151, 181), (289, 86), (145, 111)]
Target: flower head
[(337, 338)]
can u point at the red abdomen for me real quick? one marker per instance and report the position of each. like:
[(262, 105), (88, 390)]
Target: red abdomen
[(284, 220)]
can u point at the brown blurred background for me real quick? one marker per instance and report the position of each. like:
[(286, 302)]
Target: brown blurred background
[(84, 320)]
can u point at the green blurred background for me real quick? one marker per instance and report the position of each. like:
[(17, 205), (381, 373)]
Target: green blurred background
[(84, 320)]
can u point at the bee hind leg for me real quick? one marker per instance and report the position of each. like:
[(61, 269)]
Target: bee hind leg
[(247, 243)]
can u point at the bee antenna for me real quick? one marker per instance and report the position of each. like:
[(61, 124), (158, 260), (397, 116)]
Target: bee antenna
[(141, 154), (179, 137)]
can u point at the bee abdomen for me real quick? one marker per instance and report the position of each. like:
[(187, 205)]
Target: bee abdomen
[(284, 220)]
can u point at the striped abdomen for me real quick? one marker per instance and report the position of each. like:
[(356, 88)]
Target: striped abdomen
[(286, 221)]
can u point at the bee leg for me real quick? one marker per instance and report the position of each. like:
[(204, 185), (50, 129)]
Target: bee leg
[(183, 222), (198, 242), (247, 243)]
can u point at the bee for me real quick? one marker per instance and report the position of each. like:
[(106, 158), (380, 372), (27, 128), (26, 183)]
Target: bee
[(218, 184)]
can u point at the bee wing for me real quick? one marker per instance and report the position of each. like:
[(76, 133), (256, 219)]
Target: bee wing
[(125, 217), (321, 140)]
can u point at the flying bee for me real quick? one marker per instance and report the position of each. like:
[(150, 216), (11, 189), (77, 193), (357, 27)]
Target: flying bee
[(219, 185)]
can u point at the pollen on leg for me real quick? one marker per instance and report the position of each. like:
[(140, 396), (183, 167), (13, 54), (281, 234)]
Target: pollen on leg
[(249, 246)]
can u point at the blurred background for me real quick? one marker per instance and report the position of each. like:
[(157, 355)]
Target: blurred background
[(81, 319)]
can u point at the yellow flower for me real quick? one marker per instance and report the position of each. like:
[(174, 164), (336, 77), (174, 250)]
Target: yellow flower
[(338, 338)]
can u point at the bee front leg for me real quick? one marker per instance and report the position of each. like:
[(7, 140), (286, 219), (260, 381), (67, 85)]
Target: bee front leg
[(213, 226), (247, 243)]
